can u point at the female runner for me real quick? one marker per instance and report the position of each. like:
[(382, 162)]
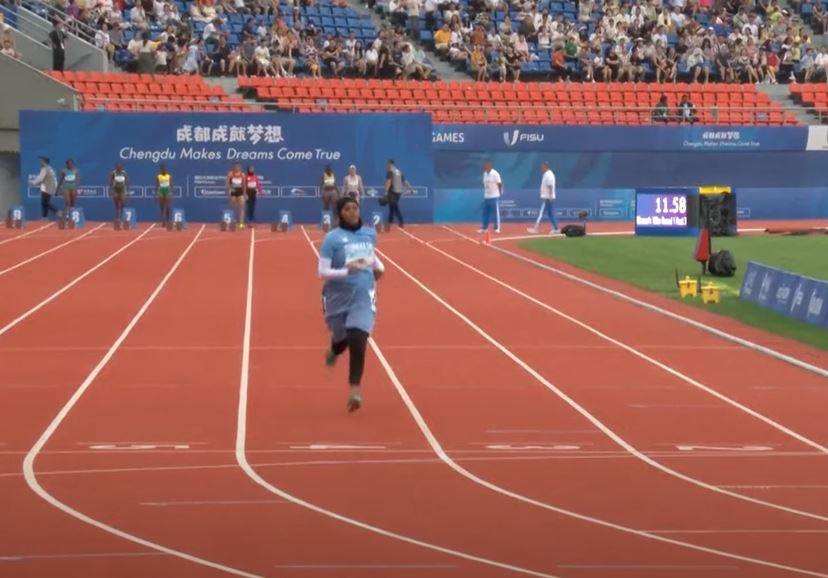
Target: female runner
[(352, 184), (235, 187), (118, 187), (69, 180), (251, 189), (350, 268), (163, 188)]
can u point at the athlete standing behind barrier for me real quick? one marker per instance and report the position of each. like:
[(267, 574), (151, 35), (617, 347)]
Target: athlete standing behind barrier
[(330, 193), (492, 189), (350, 268), (547, 194), (395, 182), (235, 188), (352, 184), (163, 189), (119, 188), (70, 181), (252, 186)]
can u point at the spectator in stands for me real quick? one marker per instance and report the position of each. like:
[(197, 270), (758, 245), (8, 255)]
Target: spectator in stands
[(146, 54), (442, 39), (57, 39), (103, 41), (9, 50), (687, 111), (220, 56), (479, 64), (661, 113)]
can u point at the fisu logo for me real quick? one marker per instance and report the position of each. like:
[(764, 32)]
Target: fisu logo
[(515, 136)]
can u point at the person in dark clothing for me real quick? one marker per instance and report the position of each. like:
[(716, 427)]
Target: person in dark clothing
[(395, 182), (57, 38)]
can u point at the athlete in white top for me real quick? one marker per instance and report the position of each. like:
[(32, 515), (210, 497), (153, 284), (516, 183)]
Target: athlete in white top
[(492, 190), (547, 195), (352, 185)]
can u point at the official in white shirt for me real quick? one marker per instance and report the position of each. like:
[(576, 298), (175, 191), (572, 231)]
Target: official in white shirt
[(492, 189), (547, 194)]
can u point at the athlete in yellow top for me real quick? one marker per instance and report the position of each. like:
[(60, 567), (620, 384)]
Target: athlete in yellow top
[(163, 188)]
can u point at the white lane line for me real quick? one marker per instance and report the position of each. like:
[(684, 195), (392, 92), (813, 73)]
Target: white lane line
[(71, 284), (211, 503), (594, 420), (363, 566), (78, 556), (740, 531), (26, 234), (30, 475), (796, 362), (47, 251), (241, 453), (645, 567), (451, 463)]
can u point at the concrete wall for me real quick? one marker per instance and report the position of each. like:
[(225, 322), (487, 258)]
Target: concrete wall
[(25, 87), (9, 181)]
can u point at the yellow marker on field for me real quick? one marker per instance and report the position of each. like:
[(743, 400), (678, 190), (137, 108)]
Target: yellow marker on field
[(710, 293), (688, 287)]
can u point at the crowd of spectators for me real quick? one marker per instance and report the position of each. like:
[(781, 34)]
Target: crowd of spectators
[(749, 41), (663, 40), (238, 37)]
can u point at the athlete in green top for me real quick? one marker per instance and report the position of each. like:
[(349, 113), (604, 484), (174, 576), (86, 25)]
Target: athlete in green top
[(69, 181), (118, 187), (163, 188)]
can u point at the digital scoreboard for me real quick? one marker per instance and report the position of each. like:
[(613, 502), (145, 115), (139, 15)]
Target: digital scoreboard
[(667, 211)]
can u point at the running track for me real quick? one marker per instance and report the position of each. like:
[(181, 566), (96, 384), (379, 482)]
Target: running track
[(164, 411)]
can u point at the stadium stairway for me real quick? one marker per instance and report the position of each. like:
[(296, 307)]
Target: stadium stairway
[(786, 95), (442, 69)]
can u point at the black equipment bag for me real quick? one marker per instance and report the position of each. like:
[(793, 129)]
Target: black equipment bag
[(722, 264)]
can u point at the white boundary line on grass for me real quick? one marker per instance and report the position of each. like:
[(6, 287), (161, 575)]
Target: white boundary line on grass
[(30, 475), (47, 251), (438, 450), (821, 371)]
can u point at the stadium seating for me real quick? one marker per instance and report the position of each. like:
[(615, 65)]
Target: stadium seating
[(150, 92), (531, 103), (814, 97)]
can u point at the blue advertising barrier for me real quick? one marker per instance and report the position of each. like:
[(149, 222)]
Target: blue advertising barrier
[(597, 168), (604, 183), (289, 151), (562, 138), (795, 296)]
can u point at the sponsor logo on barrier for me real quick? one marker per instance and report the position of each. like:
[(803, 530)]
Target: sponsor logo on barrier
[(299, 191), (448, 137), (817, 138), (715, 139), (223, 133), (722, 135), (792, 295), (516, 136)]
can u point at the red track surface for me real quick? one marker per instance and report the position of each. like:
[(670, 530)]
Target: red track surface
[(516, 421)]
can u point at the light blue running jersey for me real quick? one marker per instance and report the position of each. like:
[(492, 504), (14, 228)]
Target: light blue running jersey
[(358, 289)]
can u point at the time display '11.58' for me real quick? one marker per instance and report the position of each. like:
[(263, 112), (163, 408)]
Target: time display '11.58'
[(664, 210)]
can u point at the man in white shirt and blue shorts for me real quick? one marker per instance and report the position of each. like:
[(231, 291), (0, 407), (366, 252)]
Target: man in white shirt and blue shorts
[(492, 189), (547, 194)]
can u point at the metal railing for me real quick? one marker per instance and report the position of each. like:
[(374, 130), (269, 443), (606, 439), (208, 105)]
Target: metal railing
[(35, 19), (503, 112)]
